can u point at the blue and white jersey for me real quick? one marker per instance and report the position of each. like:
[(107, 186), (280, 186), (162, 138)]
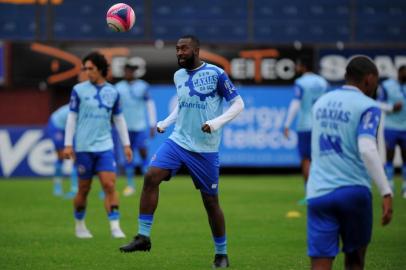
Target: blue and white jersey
[(308, 88), (200, 94), (58, 117), (133, 96), (391, 91), (94, 105), (339, 118)]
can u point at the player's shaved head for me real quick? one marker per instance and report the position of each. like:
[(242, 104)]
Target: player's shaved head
[(358, 67), (194, 40), (362, 73)]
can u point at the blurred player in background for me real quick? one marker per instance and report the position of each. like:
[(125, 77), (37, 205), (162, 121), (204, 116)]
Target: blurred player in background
[(92, 105), (194, 143), (393, 93), (136, 102), (56, 132), (344, 159), (307, 89)]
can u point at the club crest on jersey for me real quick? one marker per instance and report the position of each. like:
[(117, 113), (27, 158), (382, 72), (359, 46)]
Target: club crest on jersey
[(106, 97), (202, 84)]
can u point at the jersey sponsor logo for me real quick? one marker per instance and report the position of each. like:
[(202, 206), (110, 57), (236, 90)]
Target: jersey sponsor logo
[(330, 144), (192, 105)]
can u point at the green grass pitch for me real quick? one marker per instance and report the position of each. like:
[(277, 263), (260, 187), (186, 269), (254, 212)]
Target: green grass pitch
[(37, 229)]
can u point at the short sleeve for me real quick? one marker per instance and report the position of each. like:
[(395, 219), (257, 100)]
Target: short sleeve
[(74, 101), (369, 122), (226, 88), (117, 107), (298, 91), (146, 94), (382, 94)]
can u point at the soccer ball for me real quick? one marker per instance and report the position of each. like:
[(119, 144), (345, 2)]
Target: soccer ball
[(120, 17)]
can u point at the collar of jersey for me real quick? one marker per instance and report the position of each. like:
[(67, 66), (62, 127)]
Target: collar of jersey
[(350, 88), (193, 71), (98, 87)]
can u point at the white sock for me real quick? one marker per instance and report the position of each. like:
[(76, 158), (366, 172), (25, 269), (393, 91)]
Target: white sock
[(114, 224)]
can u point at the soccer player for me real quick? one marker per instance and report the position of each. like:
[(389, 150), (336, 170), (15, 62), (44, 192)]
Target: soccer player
[(56, 132), (393, 93), (194, 143), (307, 88), (135, 101), (344, 158), (92, 105)]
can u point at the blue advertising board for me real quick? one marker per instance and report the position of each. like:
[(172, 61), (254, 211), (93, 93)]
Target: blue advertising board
[(254, 139)]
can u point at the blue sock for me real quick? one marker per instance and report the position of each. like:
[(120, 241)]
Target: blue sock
[(58, 190), (129, 171), (389, 173), (80, 214), (145, 164), (74, 179), (389, 170), (220, 244), (145, 224), (114, 213), (58, 168)]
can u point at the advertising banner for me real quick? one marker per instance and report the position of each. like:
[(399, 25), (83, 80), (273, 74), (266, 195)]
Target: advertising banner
[(332, 62), (59, 64), (254, 139)]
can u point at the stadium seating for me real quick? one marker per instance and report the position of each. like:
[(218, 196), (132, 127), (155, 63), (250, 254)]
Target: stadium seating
[(223, 21)]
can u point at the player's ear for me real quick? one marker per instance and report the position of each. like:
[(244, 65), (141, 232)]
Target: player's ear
[(370, 83)]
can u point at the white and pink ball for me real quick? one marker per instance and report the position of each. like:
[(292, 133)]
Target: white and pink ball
[(120, 17)]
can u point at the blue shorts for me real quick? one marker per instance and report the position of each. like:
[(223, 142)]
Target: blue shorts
[(57, 136), (203, 167), (90, 163), (395, 137), (304, 144), (138, 140), (345, 212)]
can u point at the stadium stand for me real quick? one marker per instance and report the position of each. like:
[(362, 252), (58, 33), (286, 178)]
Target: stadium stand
[(239, 21)]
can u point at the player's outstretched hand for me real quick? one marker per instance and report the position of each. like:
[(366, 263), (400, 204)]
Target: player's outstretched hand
[(386, 209), (68, 152), (206, 128), (128, 153), (160, 130), (159, 127)]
